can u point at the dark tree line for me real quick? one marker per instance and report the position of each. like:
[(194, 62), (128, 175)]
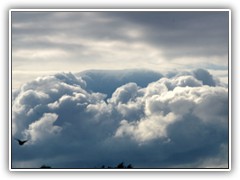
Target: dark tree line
[(45, 167), (119, 166)]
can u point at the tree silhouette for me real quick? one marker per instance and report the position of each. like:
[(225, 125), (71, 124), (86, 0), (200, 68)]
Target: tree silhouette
[(45, 167), (119, 166), (129, 166)]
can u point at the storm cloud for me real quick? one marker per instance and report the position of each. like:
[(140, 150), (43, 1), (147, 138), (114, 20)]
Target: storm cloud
[(172, 120)]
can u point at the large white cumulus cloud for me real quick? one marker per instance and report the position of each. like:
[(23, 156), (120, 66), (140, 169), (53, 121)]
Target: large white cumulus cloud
[(176, 120)]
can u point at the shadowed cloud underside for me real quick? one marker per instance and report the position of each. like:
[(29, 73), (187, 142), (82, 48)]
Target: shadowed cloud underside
[(168, 120)]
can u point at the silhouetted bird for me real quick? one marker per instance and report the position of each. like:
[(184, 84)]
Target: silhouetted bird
[(21, 142)]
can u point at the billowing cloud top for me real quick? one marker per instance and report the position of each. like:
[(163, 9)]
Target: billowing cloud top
[(95, 118)]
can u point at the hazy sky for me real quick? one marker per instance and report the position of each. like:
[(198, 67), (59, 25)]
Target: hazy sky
[(49, 42)]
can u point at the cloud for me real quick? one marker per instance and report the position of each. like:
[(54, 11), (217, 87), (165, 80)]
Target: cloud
[(43, 128), (193, 30), (199, 33), (108, 81), (163, 121), (146, 129), (159, 40)]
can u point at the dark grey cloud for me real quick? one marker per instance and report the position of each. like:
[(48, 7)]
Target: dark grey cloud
[(97, 79), (178, 34), (177, 120), (46, 42), (184, 33)]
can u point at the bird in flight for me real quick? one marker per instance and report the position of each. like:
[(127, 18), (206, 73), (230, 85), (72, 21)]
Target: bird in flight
[(21, 142)]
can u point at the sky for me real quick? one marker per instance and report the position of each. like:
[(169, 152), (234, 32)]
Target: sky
[(49, 42), (144, 88)]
